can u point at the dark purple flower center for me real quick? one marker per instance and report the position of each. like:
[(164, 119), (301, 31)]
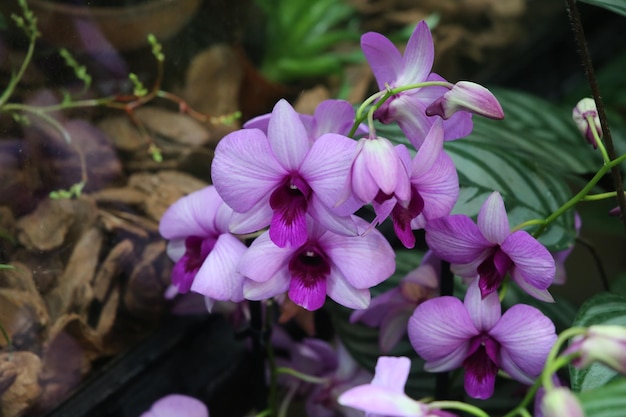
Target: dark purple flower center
[(492, 271), (185, 270), (402, 216), (481, 366), (309, 270), (289, 203)]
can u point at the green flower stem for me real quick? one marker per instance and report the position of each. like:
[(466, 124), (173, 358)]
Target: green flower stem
[(578, 197), (302, 376), (384, 96), (524, 412), (596, 137), (527, 223), (457, 405), (15, 80), (602, 196)]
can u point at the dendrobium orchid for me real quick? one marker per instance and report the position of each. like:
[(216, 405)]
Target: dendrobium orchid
[(206, 254), (391, 310), (279, 178), (585, 115), (433, 188), (448, 333), (385, 396), (408, 108), (489, 250), (601, 343), (342, 267)]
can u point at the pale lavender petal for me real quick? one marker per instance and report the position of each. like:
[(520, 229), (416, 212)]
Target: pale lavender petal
[(492, 219), (332, 116), (363, 183), (409, 112), (392, 373), (326, 168), (255, 219), (485, 312), (525, 336), (264, 259), (381, 160), (429, 151), (175, 405), (364, 261), (533, 262), (378, 400), (467, 96), (456, 239), (218, 277), (309, 294), (418, 56), (541, 295), (383, 58), (457, 126), (278, 284), (260, 122), (176, 249), (192, 215), (287, 136), (393, 326), (340, 290), (328, 218), (373, 315), (222, 218), (383, 210), (439, 188), (244, 169), (440, 328)]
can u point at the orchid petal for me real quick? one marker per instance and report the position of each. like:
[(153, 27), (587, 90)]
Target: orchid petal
[(328, 218), (364, 261), (418, 56), (326, 166), (456, 239), (485, 312), (439, 188), (393, 326), (340, 290), (392, 373), (429, 151), (218, 277), (278, 284), (373, 315), (255, 219), (244, 169), (533, 262), (287, 136), (259, 122), (409, 112), (379, 400), (192, 215), (440, 328), (333, 116), (541, 295), (383, 58), (176, 249), (175, 405), (264, 259), (363, 183), (525, 336), (492, 219), (310, 294)]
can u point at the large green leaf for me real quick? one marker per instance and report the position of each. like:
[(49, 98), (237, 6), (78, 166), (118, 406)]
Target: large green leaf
[(616, 6), (605, 308), (606, 401)]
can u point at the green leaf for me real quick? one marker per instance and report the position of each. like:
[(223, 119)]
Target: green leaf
[(606, 401), (605, 308), (616, 6)]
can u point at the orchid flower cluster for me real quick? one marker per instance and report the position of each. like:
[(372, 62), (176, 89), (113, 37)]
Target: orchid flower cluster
[(286, 221)]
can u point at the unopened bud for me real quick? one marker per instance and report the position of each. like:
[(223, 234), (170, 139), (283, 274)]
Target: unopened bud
[(586, 117), (561, 402), (466, 96), (601, 343)]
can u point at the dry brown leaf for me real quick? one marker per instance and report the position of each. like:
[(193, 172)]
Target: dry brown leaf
[(174, 126), (25, 390)]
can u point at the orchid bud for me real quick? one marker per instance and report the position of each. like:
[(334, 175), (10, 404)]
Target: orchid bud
[(561, 402), (584, 113), (602, 343), (466, 96)]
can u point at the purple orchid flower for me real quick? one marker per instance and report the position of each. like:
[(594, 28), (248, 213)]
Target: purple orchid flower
[(489, 250), (433, 188), (342, 267), (467, 96), (331, 116), (385, 396), (448, 333), (408, 108), (177, 405), (276, 179), (206, 254), (391, 310)]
